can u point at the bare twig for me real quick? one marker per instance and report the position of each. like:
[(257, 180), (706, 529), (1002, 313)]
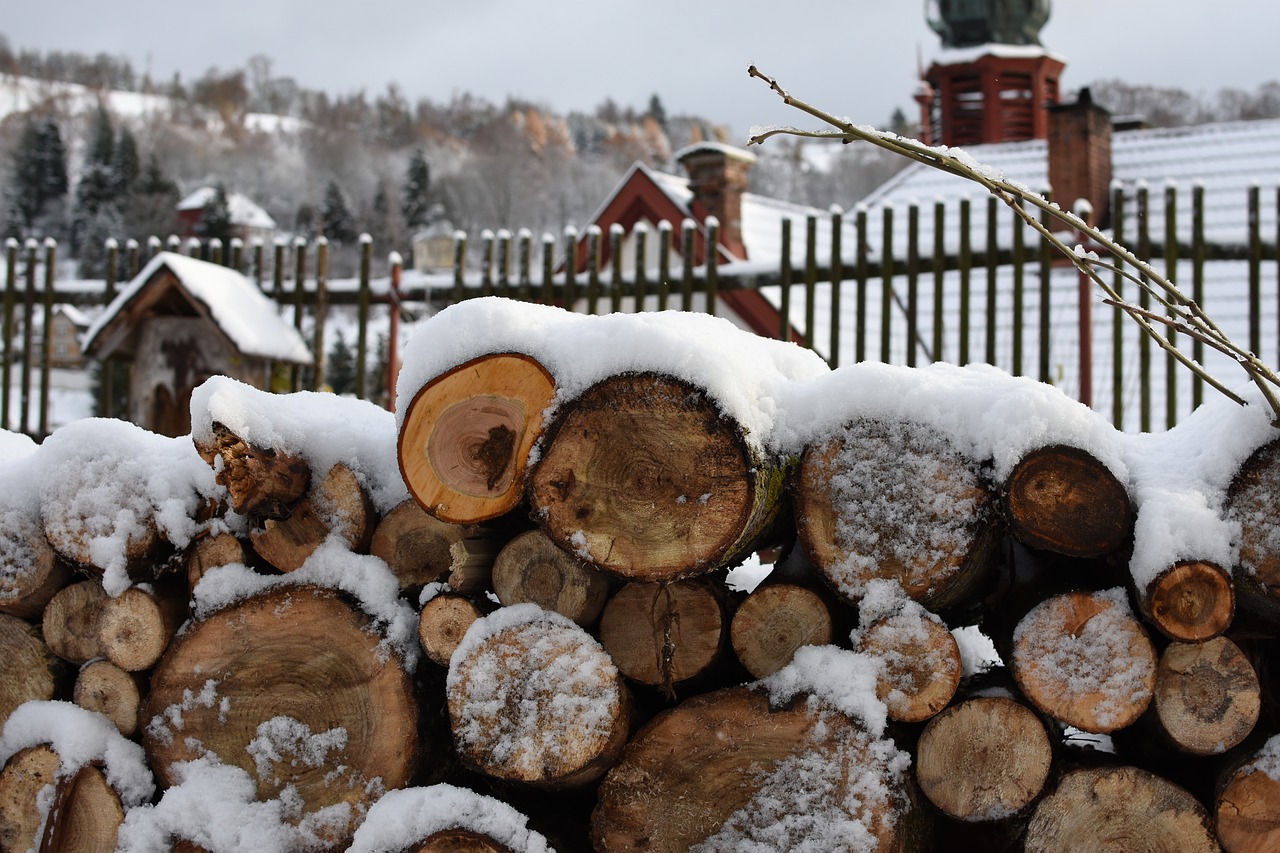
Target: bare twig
[(1186, 316)]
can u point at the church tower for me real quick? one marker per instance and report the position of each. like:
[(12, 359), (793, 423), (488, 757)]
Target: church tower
[(992, 79)]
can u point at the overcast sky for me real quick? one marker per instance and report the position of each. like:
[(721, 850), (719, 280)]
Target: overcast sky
[(856, 58)]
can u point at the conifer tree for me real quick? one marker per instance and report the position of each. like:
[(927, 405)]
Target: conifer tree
[(215, 219), (39, 176), (336, 221), (341, 365), (414, 203)]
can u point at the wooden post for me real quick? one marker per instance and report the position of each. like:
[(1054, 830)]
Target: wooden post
[(886, 284), (965, 262), (215, 251), (593, 268), (1255, 269), (153, 248), (1084, 210), (570, 268), (993, 252), (362, 317), (259, 261), (486, 262), (1046, 292), (615, 267), (810, 277), (299, 280), (524, 278), (860, 285), (1019, 263), (1171, 272), (713, 261), (393, 335), (237, 254), (1144, 302), (10, 297), (784, 298), (641, 233), (320, 311), (504, 263), (837, 282), (459, 265), (664, 264), (193, 248), (939, 272), (1118, 319), (28, 333), (109, 276), (174, 243), (913, 281), (688, 234), (1197, 282), (548, 269), (46, 350), (277, 288), (105, 377)]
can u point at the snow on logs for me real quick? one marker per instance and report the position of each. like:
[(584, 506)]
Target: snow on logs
[(515, 584)]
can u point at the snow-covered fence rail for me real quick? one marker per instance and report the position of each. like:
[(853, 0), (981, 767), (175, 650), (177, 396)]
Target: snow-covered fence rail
[(958, 282)]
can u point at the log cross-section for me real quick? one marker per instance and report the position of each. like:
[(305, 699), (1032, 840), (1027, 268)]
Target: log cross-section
[(1063, 499)]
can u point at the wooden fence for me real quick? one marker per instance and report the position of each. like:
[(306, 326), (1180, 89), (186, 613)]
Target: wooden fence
[(855, 288)]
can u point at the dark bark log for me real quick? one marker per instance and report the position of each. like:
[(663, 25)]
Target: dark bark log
[(338, 505), (1062, 499), (1191, 602), (262, 482)]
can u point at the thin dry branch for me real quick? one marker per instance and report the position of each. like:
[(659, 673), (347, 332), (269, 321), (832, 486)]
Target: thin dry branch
[(1190, 318)]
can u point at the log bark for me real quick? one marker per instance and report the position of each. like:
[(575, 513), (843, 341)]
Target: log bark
[(1064, 500), (663, 634), (25, 775), (466, 436), (210, 552), (442, 624), (114, 693), (775, 620), (1191, 602), (135, 627), (531, 568), (1251, 501), (262, 482), (71, 622), (984, 759), (1207, 697), (1085, 660), (415, 545), (896, 501), (28, 670), (644, 477), (707, 766), (287, 685), (30, 572), (922, 665), (1116, 809), (1247, 807), (537, 701), (85, 816), (338, 505)]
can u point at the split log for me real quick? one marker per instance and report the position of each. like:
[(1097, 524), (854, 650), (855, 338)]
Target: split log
[(534, 699), (1118, 809), (1062, 499), (1247, 805), (466, 436), (442, 624), (1207, 696), (338, 506), (415, 545), (30, 571), (28, 772), (135, 627), (1190, 602), (644, 477), (922, 665), (775, 620), (287, 685), (262, 482), (984, 759), (1251, 502), (85, 815), (721, 767), (471, 564), (1085, 660), (664, 634), (210, 552), (71, 622), (28, 670), (115, 693), (896, 501), (531, 568)]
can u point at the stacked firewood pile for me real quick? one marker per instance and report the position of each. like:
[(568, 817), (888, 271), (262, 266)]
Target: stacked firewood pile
[(512, 617)]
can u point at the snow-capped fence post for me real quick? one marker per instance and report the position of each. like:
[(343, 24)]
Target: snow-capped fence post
[(504, 263), (109, 276), (28, 334), (1084, 313), (320, 312), (394, 299), (861, 275), (593, 268), (237, 254), (992, 265), (524, 275), (46, 333), (548, 269), (965, 270), (277, 272), (215, 252), (363, 298), (1197, 283), (1144, 304), (299, 299), (886, 284), (571, 268), (810, 277), (688, 232), (259, 261), (913, 285), (1171, 272), (664, 264), (784, 297), (10, 299), (641, 234), (837, 283), (1043, 373), (616, 234), (712, 270)]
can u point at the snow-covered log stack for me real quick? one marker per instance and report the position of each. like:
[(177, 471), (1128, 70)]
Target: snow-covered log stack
[(526, 611)]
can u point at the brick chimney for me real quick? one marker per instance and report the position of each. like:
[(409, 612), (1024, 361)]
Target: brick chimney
[(1080, 155), (718, 178)]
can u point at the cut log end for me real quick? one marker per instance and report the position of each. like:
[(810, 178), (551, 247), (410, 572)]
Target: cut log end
[(467, 434), (28, 670), (773, 622), (415, 545), (1084, 659), (922, 666), (663, 634), (532, 568), (103, 687), (1064, 500), (1248, 810), (85, 815), (985, 759), (71, 622), (1207, 695), (458, 841), (262, 482), (24, 776), (135, 627), (1191, 602), (339, 506), (1109, 809), (443, 623)]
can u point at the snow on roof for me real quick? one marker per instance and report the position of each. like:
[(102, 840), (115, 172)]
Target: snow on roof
[(249, 318), (730, 151), (1226, 157), (74, 314), (242, 209), (958, 55)]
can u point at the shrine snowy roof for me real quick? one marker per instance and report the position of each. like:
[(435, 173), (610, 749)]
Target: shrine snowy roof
[(247, 316), (244, 211)]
